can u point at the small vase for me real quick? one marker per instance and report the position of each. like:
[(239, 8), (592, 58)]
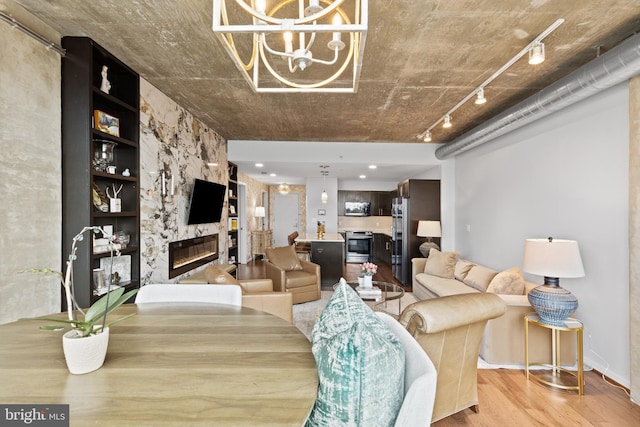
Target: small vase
[(360, 280), (85, 354), (368, 281)]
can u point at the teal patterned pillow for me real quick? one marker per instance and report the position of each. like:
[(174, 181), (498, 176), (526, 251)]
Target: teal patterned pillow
[(360, 365)]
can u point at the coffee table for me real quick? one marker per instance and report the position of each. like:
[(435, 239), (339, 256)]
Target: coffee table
[(390, 292)]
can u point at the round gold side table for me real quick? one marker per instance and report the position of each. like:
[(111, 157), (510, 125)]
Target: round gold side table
[(555, 375)]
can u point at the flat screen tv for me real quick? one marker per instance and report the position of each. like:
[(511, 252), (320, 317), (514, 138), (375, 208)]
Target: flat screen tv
[(207, 201)]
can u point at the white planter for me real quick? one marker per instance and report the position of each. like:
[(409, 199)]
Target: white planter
[(368, 281), (84, 355)]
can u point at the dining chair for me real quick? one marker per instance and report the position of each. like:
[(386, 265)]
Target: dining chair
[(420, 379), (221, 294)]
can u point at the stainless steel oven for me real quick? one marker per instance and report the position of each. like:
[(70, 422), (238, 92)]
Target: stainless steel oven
[(359, 246)]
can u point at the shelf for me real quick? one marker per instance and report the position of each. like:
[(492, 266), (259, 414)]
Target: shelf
[(115, 176), (112, 138), (115, 214), (113, 99), (131, 249)]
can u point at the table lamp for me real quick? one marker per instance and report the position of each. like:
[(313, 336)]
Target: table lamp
[(260, 213), (428, 229), (552, 258)]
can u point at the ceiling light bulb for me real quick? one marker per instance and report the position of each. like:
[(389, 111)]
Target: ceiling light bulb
[(283, 188), (324, 197), (480, 98), (372, 166), (272, 174), (427, 136), (536, 54), (447, 122), (288, 41), (363, 176), (261, 6), (259, 165)]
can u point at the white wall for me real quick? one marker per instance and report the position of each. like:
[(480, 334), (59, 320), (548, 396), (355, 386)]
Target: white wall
[(314, 203), (564, 176)]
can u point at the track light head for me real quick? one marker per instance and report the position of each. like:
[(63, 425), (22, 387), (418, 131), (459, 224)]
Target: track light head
[(480, 99), (447, 122), (427, 136), (536, 54)]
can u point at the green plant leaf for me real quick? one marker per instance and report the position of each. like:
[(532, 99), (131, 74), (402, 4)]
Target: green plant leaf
[(99, 307)]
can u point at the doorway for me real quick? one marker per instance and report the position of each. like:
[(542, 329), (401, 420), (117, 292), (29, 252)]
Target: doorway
[(285, 217)]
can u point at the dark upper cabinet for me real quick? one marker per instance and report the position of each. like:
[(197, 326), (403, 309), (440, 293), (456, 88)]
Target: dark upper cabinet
[(380, 200)]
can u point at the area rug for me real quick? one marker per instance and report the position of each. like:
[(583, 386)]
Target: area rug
[(306, 314)]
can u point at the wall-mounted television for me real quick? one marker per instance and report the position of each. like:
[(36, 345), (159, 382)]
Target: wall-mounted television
[(207, 201)]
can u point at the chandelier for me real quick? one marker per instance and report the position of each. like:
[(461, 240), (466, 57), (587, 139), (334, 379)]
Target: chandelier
[(292, 46)]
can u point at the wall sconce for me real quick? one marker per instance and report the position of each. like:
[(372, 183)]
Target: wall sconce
[(167, 188)]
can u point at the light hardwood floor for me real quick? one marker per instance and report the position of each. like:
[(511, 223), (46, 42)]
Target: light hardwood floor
[(506, 398)]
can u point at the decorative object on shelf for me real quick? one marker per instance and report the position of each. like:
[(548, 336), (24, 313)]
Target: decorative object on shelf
[(260, 213), (85, 346), (272, 34), (232, 210), (99, 281), (428, 229), (103, 154), (106, 123), (112, 170), (99, 200), (126, 172), (552, 258), (105, 86), (233, 224), (115, 203)]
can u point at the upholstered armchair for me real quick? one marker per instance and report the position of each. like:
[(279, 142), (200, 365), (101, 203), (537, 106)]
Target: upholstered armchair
[(450, 330), (258, 294), (292, 274)]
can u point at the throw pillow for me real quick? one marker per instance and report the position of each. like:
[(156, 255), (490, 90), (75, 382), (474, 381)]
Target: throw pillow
[(441, 264), (479, 277), (360, 365), (215, 274), (508, 282), (284, 257), (462, 268)]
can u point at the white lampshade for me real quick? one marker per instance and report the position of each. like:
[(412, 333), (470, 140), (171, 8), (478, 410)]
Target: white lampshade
[(260, 213), (552, 258), (429, 229)]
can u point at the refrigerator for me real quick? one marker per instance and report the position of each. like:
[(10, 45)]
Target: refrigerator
[(399, 228), (420, 200)]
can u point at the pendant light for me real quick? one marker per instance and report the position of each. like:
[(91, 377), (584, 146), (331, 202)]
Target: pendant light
[(324, 197)]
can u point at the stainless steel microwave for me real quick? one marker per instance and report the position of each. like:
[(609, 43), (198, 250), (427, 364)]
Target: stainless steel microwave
[(357, 208)]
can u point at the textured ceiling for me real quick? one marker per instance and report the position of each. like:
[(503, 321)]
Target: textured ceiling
[(421, 58)]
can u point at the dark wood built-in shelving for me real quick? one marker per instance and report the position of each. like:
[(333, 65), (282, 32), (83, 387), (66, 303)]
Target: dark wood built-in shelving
[(81, 95)]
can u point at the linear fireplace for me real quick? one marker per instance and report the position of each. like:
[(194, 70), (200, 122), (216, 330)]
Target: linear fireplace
[(185, 255)]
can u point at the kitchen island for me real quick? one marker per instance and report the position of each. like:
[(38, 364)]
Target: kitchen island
[(328, 253)]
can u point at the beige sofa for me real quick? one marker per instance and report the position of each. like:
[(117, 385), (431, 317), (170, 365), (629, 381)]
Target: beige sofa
[(503, 341)]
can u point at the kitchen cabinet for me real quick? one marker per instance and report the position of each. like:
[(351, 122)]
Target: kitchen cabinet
[(382, 248), (330, 257), (380, 200)]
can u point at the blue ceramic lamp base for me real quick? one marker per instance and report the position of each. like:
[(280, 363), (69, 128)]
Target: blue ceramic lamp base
[(552, 303)]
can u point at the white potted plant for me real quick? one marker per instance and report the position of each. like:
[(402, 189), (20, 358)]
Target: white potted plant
[(85, 344)]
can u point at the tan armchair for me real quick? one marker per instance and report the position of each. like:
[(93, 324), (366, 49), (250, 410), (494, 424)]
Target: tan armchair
[(292, 274), (450, 329), (256, 293)]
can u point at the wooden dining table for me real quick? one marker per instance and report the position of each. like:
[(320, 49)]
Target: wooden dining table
[(172, 364)]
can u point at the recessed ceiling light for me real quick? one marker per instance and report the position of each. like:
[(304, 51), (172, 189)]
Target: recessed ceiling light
[(272, 174), (372, 166), (259, 165), (212, 165), (363, 176)]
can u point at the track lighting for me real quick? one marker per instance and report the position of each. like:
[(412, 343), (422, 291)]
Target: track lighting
[(536, 54)]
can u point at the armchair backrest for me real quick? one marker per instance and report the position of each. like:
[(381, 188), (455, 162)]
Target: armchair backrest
[(450, 330), (420, 379)]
